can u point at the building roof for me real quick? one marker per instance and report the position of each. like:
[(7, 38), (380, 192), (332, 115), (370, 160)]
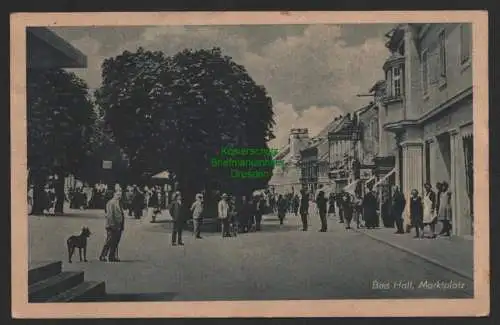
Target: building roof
[(284, 151), (47, 50)]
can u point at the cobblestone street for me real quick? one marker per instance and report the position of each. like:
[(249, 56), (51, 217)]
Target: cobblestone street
[(280, 262)]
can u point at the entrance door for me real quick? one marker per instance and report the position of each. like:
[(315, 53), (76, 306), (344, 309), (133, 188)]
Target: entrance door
[(444, 158), (468, 144)]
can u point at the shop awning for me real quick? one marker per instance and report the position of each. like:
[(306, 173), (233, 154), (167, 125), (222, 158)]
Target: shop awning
[(163, 175), (385, 177), (371, 179), (351, 187)]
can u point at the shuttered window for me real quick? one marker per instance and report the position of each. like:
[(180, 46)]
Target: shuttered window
[(425, 72), (465, 42), (442, 54)]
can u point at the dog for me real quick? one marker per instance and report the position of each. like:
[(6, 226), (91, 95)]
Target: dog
[(79, 242)]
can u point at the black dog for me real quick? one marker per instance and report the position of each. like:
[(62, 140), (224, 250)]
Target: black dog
[(79, 242)]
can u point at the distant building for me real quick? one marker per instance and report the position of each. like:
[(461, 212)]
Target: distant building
[(315, 160), (342, 142), (287, 178), (428, 109)]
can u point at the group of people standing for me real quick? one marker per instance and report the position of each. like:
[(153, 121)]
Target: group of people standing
[(350, 207), (426, 211), (235, 214)]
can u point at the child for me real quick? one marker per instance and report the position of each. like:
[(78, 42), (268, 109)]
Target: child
[(416, 213)]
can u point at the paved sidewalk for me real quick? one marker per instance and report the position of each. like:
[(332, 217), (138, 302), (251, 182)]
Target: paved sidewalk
[(453, 253)]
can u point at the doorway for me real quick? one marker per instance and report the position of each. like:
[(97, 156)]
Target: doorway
[(443, 160)]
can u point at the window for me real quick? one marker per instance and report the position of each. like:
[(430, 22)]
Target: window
[(442, 54), (425, 72), (465, 43), (388, 78), (427, 162), (374, 129), (396, 79)]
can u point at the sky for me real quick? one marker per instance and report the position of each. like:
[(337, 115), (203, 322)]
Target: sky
[(311, 72)]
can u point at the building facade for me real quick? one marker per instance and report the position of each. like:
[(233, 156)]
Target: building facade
[(343, 160), (287, 178), (427, 107)]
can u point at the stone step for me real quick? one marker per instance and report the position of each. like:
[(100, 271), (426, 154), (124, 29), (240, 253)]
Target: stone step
[(88, 291), (39, 271), (45, 289)]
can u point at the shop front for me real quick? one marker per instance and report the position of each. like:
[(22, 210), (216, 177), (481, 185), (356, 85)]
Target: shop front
[(448, 157)]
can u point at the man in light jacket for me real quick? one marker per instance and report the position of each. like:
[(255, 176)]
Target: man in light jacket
[(223, 209), (114, 228), (197, 210)]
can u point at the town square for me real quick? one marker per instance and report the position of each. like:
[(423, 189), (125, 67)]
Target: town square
[(251, 162)]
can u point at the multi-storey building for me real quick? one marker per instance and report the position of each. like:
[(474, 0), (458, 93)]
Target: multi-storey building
[(427, 107), (315, 160), (287, 178), (342, 143)]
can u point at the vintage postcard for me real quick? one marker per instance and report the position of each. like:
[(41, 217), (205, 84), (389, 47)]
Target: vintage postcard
[(265, 164)]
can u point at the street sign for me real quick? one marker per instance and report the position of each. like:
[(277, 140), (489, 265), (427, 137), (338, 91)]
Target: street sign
[(107, 164)]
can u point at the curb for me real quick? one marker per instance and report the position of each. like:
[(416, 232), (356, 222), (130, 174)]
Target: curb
[(412, 252)]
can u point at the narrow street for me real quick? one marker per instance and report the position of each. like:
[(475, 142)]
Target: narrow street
[(280, 262)]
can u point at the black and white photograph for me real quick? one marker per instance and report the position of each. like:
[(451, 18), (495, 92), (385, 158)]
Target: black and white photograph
[(321, 161)]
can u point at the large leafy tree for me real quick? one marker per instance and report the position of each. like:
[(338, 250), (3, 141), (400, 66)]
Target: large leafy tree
[(177, 112), (61, 121)]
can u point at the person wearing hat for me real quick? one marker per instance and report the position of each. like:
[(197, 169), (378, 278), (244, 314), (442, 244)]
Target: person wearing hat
[(223, 211), (177, 215), (197, 211)]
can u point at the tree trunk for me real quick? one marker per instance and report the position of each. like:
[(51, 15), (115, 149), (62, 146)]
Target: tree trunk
[(60, 197)]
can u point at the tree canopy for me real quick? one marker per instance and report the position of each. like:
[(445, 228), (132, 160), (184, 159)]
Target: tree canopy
[(61, 121), (61, 124), (177, 112)]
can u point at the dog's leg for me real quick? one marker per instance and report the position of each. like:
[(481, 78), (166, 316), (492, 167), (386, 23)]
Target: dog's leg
[(71, 250), (85, 254), (80, 253)]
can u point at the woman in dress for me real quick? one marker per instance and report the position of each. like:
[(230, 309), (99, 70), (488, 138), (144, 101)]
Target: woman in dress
[(444, 211), (347, 209), (429, 202), (416, 213)]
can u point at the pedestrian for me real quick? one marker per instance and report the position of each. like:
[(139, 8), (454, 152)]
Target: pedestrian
[(114, 228), (398, 204), (223, 212), (154, 204), (295, 204), (304, 208), (282, 208), (429, 218), (416, 213), (370, 208), (321, 203), (245, 214), (197, 211), (260, 211), (331, 205), (347, 209), (177, 214), (339, 202), (357, 211), (444, 211), (138, 203)]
